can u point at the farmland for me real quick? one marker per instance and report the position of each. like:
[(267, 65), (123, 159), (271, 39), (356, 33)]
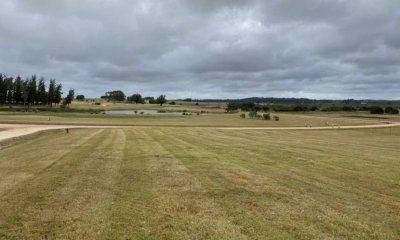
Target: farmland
[(196, 183)]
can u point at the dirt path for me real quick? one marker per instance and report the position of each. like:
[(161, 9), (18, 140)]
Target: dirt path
[(17, 130)]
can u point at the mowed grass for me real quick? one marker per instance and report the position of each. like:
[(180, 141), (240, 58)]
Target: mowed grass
[(209, 120), (181, 183)]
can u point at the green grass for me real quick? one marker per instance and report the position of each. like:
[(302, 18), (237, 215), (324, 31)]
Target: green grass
[(201, 183), (210, 120)]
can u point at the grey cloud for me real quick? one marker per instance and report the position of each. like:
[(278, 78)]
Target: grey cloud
[(210, 49)]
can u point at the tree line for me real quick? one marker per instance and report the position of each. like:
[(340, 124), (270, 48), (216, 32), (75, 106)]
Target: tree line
[(119, 96), (31, 91), (253, 107)]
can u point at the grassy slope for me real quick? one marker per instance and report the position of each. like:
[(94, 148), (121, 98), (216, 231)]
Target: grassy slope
[(176, 183)]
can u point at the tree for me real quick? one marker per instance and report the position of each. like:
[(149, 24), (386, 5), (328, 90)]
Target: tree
[(115, 96), (3, 89), (231, 107), (80, 97), (9, 84), (69, 98), (32, 90), (58, 94), (41, 92), (150, 100), (161, 100), (51, 94), (18, 87), (136, 98), (25, 91)]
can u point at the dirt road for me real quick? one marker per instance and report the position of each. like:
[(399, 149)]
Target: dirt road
[(18, 130)]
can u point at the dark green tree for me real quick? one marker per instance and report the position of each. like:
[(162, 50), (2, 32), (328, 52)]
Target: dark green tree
[(32, 88), (68, 99), (161, 100), (115, 96), (18, 85), (136, 98), (58, 94), (51, 94), (41, 92), (25, 91), (150, 100), (80, 97)]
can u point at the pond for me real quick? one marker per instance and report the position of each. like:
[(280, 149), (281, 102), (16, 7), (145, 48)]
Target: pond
[(143, 112)]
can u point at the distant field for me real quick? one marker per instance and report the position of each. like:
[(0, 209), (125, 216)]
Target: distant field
[(179, 106), (231, 120), (181, 183)]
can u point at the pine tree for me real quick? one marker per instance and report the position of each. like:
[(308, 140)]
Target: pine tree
[(32, 90), (58, 94), (18, 90), (41, 92), (52, 92)]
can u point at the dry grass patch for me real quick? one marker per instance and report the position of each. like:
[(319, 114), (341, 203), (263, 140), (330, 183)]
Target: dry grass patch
[(201, 183)]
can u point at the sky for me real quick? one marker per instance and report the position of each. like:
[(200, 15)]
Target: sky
[(323, 49)]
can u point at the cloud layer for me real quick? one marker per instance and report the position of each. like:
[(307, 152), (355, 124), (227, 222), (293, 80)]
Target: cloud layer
[(209, 48)]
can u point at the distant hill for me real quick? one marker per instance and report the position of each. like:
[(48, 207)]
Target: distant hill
[(301, 101)]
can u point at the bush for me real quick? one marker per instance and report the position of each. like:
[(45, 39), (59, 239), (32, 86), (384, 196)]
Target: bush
[(376, 110), (172, 103), (391, 110), (276, 118), (267, 116), (243, 115), (253, 114)]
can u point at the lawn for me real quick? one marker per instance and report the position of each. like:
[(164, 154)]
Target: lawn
[(201, 183)]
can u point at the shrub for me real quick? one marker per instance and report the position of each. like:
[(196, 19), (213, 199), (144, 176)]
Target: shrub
[(252, 114), (391, 110), (267, 116), (172, 103), (243, 115), (376, 110), (276, 118)]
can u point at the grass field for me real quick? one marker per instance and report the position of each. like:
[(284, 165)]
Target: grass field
[(179, 106), (210, 120), (201, 183)]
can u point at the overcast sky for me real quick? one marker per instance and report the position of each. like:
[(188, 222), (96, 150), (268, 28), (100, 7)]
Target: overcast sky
[(207, 48)]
